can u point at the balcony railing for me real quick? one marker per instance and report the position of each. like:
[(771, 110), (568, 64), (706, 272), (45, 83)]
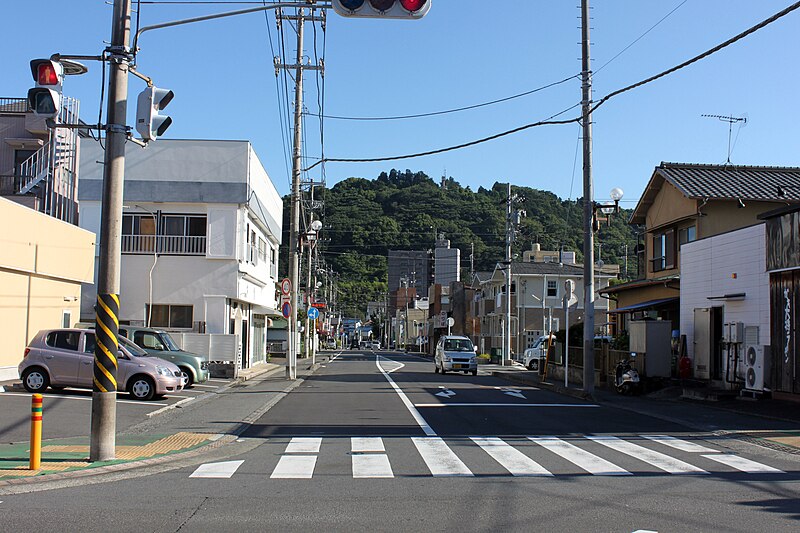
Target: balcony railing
[(163, 244), (13, 105)]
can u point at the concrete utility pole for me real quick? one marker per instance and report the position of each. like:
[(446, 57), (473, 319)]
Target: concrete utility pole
[(104, 391), (588, 207), (509, 235)]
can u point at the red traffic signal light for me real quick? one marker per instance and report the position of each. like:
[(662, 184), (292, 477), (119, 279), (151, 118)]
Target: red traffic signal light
[(47, 73), (45, 98), (398, 9)]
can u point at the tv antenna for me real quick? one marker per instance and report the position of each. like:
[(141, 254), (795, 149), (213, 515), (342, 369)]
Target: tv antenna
[(731, 121)]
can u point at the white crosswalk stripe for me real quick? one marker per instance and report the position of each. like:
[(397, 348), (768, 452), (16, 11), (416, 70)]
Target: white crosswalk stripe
[(513, 460), (439, 457), (679, 444), (222, 470), (581, 458), (535, 456), (657, 459), (743, 465)]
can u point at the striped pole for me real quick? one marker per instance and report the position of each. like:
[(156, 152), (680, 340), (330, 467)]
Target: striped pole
[(104, 391), (36, 432)]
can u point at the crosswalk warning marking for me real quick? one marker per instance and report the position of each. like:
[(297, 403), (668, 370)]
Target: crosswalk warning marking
[(222, 470), (439, 457), (743, 465), (513, 460), (679, 444), (581, 458), (304, 445), (657, 459), (295, 467), (367, 444)]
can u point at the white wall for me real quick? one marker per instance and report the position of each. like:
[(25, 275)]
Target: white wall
[(707, 269)]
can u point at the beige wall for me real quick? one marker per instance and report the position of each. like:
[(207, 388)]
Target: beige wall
[(724, 216), (43, 262), (668, 206)]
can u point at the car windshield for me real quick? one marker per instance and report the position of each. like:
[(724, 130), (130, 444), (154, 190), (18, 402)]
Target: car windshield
[(458, 345), (169, 342), (132, 348)]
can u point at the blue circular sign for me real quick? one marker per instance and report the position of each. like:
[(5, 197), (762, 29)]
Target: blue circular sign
[(313, 313), (286, 309)]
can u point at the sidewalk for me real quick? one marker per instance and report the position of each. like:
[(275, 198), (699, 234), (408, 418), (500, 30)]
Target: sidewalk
[(183, 430)]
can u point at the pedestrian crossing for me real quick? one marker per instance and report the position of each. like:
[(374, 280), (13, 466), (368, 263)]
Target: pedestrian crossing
[(532, 456)]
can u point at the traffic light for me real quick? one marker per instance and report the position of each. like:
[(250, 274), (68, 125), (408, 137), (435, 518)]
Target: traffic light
[(395, 9), (149, 123), (45, 98)]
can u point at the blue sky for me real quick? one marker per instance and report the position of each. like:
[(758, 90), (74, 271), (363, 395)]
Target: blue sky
[(464, 52)]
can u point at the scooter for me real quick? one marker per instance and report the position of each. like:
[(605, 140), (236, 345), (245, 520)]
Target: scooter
[(626, 377)]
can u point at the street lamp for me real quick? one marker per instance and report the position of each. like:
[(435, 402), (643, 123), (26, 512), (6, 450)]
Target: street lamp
[(607, 209)]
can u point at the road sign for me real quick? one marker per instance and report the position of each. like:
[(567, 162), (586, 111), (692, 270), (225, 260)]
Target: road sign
[(313, 313), (286, 309), (286, 286)]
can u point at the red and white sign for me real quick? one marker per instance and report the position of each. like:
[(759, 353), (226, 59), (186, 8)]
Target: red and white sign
[(286, 286)]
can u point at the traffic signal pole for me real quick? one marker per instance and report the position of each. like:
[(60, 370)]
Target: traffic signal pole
[(104, 391)]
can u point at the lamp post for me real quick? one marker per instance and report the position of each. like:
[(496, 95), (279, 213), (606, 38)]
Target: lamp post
[(314, 227)]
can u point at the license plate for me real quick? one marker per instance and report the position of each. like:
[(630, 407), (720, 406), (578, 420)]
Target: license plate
[(459, 366)]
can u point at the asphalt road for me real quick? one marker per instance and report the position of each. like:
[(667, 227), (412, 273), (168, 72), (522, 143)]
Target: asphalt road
[(387, 445)]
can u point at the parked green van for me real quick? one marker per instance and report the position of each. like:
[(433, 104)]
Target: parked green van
[(157, 342)]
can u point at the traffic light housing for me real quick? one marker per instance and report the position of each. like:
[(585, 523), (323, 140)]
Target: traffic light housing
[(149, 123), (44, 99), (395, 9)]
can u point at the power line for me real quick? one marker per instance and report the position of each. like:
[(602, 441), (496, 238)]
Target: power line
[(549, 122)]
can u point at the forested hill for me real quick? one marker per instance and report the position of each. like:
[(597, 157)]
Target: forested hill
[(363, 219)]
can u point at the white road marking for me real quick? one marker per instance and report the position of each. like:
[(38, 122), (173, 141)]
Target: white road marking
[(439, 457), (372, 466), (513, 460), (411, 409), (743, 465), (367, 444), (512, 392), (304, 445), (205, 386), (589, 462), (219, 380), (456, 404), (89, 398), (295, 467), (657, 459), (445, 393), (222, 470), (679, 444)]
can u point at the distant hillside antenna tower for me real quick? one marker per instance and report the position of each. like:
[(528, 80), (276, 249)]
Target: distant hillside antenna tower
[(731, 120)]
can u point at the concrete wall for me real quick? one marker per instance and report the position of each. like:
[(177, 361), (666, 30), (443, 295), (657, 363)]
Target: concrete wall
[(43, 262)]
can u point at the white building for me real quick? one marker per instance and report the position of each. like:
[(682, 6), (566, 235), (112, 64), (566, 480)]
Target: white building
[(200, 237), (724, 279)]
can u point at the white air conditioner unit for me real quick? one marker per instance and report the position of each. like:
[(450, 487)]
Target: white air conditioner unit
[(754, 368)]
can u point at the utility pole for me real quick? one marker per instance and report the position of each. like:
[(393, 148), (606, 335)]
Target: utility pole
[(294, 231), (509, 235), (588, 206), (104, 391)]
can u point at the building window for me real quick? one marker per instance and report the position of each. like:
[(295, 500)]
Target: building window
[(552, 289), (66, 319), (174, 234), (170, 316), (687, 234), (663, 251)]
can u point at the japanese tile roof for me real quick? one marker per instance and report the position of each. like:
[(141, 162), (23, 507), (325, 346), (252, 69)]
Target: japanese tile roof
[(722, 182)]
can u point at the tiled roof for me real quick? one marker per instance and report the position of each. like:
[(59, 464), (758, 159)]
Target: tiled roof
[(733, 181)]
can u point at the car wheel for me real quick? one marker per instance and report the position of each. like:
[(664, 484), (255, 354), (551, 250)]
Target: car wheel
[(186, 375), (531, 365), (35, 379), (142, 388), (475, 372)]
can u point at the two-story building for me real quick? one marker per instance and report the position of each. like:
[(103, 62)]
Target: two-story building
[(684, 204), (201, 229)]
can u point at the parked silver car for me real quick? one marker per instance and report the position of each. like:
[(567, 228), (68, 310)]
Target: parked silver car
[(456, 353), (61, 358)]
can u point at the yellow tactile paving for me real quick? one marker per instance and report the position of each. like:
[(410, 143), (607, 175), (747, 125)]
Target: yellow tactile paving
[(172, 443), (45, 466), (787, 441)]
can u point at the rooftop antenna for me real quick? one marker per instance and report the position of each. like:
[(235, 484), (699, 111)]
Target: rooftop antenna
[(731, 120)]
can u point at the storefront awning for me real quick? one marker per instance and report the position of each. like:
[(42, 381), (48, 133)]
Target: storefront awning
[(645, 305)]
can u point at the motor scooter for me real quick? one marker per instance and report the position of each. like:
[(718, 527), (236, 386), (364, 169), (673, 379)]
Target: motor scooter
[(626, 378)]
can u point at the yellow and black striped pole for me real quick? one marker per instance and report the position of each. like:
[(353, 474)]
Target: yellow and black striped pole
[(104, 391), (36, 432)]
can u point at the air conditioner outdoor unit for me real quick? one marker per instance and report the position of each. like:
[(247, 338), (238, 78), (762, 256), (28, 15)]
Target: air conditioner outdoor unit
[(754, 368)]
